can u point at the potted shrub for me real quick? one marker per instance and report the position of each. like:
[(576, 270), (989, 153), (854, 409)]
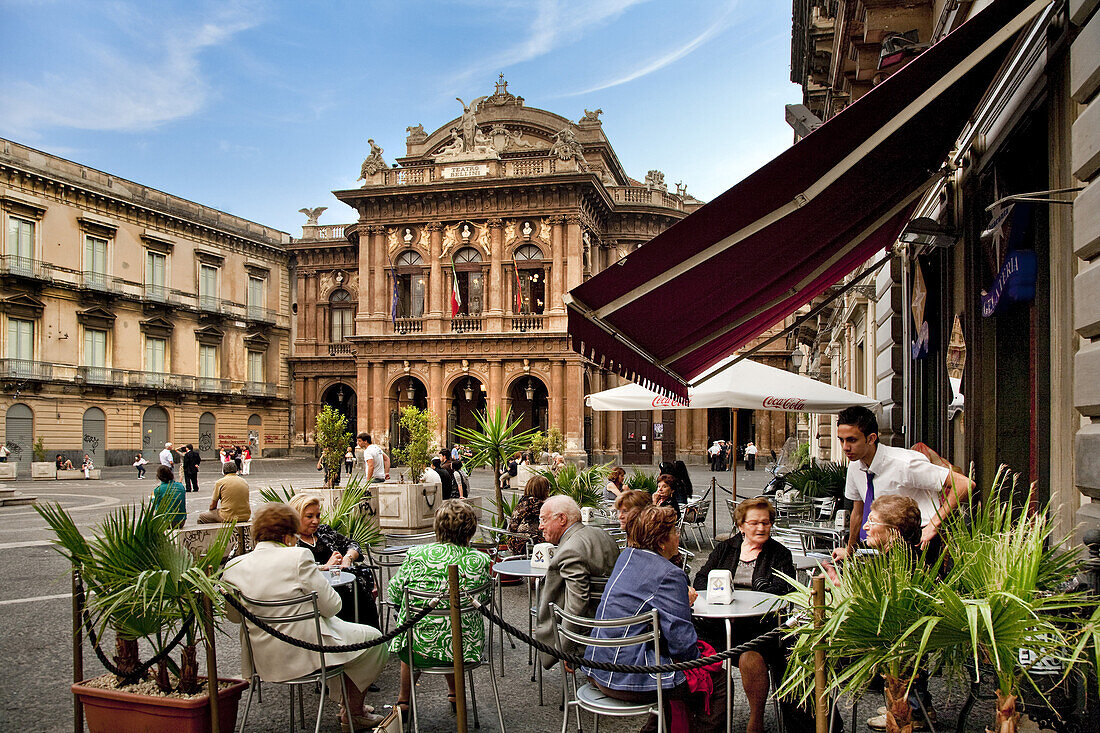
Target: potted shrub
[(583, 485), (144, 586), (41, 466), (410, 506), (333, 438), (495, 440), (1002, 601)]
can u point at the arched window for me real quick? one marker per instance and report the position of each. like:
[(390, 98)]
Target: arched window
[(471, 281), (529, 289), (411, 284), (342, 315), (528, 252)]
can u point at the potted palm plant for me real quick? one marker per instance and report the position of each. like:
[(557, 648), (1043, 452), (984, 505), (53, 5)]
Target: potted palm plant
[(144, 586), (495, 440), (582, 485), (1000, 606)]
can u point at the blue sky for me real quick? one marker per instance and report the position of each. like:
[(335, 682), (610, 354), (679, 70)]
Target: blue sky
[(261, 108)]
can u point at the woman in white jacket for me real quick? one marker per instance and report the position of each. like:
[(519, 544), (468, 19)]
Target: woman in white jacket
[(276, 569)]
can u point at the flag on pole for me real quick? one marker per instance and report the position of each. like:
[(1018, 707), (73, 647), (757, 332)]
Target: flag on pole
[(456, 296), (519, 285), (396, 294)]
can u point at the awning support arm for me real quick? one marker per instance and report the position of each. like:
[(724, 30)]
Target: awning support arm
[(802, 319), (1035, 197)]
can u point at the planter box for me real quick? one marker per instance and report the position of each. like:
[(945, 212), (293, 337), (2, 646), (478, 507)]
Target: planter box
[(407, 508), (114, 711), (77, 474), (523, 475), (42, 470), (9, 471)]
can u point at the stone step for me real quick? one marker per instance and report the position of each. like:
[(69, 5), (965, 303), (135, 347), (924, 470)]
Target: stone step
[(8, 498)]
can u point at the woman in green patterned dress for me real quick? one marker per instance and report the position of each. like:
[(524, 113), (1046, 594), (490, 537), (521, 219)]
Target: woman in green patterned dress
[(425, 569)]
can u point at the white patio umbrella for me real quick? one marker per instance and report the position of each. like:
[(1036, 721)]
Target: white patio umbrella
[(746, 385)]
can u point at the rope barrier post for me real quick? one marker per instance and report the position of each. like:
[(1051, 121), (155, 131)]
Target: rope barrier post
[(456, 651), (821, 709), (78, 649), (714, 508), (211, 664)]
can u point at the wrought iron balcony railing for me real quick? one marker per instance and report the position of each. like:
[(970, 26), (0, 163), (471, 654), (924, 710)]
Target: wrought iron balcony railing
[(27, 267), (26, 369)]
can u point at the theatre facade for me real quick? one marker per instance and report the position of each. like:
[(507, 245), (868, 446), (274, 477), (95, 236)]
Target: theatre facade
[(446, 293)]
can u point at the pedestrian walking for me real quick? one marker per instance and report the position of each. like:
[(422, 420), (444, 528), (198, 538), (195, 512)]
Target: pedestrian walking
[(167, 458), (191, 461), (750, 456), (246, 461), (349, 461)]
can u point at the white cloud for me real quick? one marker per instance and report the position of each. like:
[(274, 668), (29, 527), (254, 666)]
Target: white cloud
[(555, 23), (147, 73)]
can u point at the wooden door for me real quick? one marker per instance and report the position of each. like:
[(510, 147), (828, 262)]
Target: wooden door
[(637, 440), (668, 437)]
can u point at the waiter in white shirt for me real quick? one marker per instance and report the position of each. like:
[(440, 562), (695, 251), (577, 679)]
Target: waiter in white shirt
[(376, 464), (878, 470)]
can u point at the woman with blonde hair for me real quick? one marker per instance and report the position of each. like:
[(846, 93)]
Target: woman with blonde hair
[(331, 549)]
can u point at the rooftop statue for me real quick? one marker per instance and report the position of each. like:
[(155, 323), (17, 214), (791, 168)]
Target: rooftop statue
[(566, 147), (374, 162), (469, 124), (313, 214)]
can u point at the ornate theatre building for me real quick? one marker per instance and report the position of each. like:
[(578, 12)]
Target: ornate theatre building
[(446, 293)]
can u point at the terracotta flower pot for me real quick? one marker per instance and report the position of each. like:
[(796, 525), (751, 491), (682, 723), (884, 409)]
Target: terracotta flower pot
[(115, 711)]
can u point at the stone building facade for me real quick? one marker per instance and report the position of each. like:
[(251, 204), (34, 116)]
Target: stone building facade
[(131, 317), (446, 293)]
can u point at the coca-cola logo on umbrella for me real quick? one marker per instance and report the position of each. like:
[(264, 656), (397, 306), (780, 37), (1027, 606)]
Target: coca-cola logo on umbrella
[(669, 402), (784, 403)]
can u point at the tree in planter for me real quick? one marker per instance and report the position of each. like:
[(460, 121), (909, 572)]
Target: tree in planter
[(538, 446), (333, 438), (495, 440), (417, 453), (39, 450), (555, 441), (143, 584)]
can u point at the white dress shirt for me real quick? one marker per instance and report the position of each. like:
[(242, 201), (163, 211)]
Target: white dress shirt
[(899, 471)]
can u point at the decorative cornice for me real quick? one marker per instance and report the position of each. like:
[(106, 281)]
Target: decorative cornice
[(495, 223), (434, 226)]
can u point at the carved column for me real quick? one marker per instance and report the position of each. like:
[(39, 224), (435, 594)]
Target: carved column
[(557, 266), (309, 409), (378, 275), (435, 280), (496, 275), (700, 439), (313, 312), (574, 256), (436, 403), (365, 277), (614, 421), (595, 383), (494, 390), (572, 417), (556, 390), (363, 370)]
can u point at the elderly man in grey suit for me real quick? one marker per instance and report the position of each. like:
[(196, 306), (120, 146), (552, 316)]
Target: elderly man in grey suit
[(583, 552)]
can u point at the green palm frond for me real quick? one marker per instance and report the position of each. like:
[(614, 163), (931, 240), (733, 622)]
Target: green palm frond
[(642, 481), (348, 518), (282, 495), (583, 485), (496, 439)]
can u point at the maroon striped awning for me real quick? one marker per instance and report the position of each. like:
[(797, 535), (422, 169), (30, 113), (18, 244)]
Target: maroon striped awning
[(710, 284)]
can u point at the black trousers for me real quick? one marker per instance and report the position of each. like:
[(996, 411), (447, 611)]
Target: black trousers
[(191, 481)]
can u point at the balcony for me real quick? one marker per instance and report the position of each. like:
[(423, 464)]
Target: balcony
[(158, 380), (466, 324), (25, 369), (212, 385), (259, 389), (341, 349), (104, 376), (159, 294), (24, 267), (408, 325), (100, 282), (258, 314), (528, 322)]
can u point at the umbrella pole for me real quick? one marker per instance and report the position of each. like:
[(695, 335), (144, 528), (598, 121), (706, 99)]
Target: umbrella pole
[(733, 454)]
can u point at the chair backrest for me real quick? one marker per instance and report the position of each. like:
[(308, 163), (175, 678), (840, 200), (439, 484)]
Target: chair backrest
[(267, 611), (651, 634), (826, 508), (417, 600)]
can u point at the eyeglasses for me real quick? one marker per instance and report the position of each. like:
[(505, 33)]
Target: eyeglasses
[(765, 523), (870, 523)]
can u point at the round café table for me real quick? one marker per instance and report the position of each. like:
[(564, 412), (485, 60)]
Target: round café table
[(520, 567), (746, 604), (346, 578)]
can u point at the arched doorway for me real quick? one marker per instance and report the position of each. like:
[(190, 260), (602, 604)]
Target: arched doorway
[(341, 398), (154, 432), (531, 401), (254, 424), (208, 444), (19, 429), (467, 397), (95, 436), (405, 391)]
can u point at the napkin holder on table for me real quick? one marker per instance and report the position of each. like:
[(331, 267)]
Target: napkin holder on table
[(586, 514), (542, 554), (720, 587)]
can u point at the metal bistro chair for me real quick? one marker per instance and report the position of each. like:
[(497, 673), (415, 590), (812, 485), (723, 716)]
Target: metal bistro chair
[(306, 606), (694, 518), (588, 696), (415, 601), (597, 584)]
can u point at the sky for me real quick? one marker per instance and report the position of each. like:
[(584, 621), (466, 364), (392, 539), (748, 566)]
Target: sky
[(262, 108)]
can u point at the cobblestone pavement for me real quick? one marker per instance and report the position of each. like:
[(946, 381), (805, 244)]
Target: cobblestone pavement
[(35, 636)]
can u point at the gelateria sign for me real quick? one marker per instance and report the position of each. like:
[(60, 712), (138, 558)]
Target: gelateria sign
[(1014, 284)]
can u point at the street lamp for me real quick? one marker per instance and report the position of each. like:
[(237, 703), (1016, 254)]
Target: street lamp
[(796, 358), (410, 391), (468, 391), (529, 390)]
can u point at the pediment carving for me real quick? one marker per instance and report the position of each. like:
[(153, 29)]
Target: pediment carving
[(158, 327), (96, 317), (209, 335), (22, 306)]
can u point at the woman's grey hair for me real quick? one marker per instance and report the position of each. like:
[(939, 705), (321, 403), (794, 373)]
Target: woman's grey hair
[(455, 522)]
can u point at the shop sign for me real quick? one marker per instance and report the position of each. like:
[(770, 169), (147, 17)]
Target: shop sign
[(1015, 283)]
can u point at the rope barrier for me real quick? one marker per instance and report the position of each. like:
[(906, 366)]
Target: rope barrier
[(310, 646), (128, 678), (578, 661)]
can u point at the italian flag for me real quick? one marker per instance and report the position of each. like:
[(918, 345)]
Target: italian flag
[(456, 297)]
